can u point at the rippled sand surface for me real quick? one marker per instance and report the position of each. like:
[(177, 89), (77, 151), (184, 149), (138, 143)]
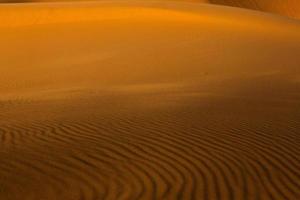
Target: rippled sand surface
[(140, 100)]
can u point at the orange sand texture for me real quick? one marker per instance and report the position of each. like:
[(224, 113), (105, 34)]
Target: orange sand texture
[(148, 100), (289, 8)]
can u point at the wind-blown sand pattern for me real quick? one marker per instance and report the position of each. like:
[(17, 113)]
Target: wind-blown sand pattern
[(148, 100)]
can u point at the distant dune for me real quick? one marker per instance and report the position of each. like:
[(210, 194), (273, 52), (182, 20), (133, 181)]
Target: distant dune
[(148, 100), (290, 8)]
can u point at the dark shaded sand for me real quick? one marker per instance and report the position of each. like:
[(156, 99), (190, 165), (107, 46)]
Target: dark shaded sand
[(148, 101), (289, 8)]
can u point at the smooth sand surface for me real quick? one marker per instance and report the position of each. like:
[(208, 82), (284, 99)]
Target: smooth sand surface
[(148, 100), (290, 8)]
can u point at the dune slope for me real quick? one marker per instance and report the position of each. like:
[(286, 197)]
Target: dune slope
[(289, 8), (149, 100)]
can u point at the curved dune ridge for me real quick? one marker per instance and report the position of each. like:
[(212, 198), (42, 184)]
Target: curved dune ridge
[(148, 100), (290, 8)]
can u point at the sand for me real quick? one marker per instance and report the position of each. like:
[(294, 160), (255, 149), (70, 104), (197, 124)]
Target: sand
[(148, 100), (289, 8)]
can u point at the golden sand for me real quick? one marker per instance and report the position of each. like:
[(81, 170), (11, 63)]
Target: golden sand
[(148, 100), (290, 8)]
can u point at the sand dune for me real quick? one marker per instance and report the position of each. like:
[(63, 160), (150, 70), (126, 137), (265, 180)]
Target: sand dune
[(148, 100), (290, 8)]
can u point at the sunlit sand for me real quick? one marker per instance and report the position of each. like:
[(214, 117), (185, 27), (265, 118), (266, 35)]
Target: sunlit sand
[(290, 8), (148, 100)]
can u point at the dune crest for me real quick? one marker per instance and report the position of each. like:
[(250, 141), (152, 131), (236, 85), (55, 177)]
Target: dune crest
[(290, 8)]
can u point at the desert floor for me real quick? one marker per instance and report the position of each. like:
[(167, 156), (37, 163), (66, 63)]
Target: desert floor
[(148, 100)]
